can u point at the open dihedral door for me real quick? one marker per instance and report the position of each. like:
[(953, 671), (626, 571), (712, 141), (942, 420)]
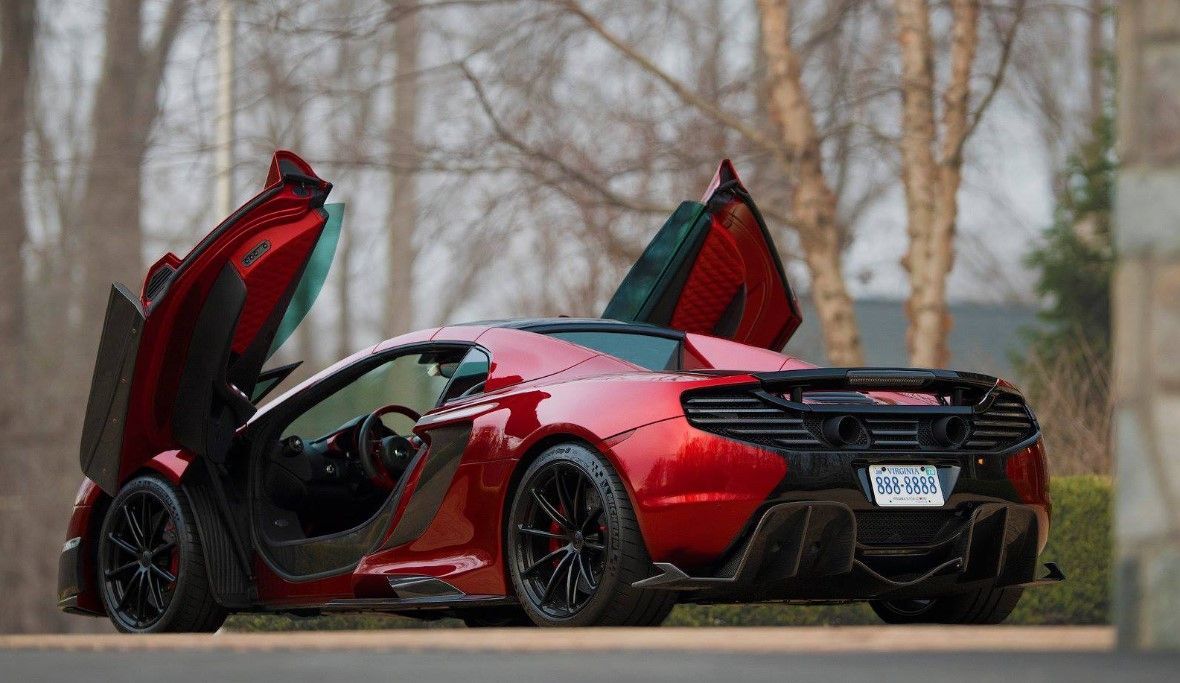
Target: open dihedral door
[(712, 269), (177, 365)]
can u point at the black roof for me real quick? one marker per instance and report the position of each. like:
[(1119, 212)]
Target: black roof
[(550, 325)]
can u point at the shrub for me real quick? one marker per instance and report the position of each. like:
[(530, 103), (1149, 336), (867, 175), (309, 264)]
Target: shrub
[(1080, 541)]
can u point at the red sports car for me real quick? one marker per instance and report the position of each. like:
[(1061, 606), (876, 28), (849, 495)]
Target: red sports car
[(551, 471)]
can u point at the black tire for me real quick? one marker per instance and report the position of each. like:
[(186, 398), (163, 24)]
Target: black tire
[(151, 568), (989, 605), (601, 538), (495, 617)]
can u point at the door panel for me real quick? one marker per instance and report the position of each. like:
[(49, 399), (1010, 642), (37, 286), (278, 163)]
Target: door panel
[(712, 269), (207, 324)]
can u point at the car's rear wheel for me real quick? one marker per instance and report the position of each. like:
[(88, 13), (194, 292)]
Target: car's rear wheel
[(574, 546), (151, 568), (990, 605)]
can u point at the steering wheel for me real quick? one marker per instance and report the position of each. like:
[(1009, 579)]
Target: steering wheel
[(384, 457)]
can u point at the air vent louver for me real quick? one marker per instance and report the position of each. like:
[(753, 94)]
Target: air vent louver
[(742, 415)]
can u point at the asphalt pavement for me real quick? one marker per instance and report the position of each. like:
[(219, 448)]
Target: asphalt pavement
[(730, 655)]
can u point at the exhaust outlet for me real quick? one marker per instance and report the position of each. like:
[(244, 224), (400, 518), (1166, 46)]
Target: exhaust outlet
[(845, 431)]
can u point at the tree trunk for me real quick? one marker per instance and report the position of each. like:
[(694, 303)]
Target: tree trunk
[(344, 343), (403, 191), (125, 108), (17, 30), (932, 184), (813, 205), (918, 168), (1096, 57), (19, 570)]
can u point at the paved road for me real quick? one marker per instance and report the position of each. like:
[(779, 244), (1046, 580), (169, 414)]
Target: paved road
[(575, 667), (681, 655)]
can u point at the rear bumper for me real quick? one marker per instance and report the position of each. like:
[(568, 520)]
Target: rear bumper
[(77, 592), (71, 580), (826, 550), (698, 496)]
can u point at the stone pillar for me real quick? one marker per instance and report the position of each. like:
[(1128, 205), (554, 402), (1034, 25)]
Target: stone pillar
[(1147, 326)]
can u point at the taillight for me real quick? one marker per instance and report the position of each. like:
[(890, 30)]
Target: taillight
[(1029, 474)]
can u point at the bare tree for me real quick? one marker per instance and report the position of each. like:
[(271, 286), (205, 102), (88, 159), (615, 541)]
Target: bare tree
[(794, 147), (18, 27), (403, 181), (813, 209), (932, 164), (126, 103), (1097, 53), (17, 33)]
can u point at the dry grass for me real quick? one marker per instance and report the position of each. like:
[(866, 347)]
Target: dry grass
[(1071, 398)]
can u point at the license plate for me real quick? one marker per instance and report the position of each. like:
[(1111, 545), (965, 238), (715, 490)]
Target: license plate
[(905, 485)]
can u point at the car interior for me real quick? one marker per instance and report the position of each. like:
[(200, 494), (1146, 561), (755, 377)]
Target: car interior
[(329, 460)]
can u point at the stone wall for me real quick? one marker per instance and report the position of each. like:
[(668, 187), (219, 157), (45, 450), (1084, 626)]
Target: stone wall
[(1147, 325)]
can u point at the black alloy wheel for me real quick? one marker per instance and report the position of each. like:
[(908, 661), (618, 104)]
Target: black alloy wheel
[(140, 560), (574, 547), (906, 609), (151, 569), (987, 605), (561, 540)]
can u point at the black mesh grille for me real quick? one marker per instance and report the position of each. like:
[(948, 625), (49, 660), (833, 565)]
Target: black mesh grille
[(905, 527), (159, 279), (743, 415), (1006, 421), (749, 418)]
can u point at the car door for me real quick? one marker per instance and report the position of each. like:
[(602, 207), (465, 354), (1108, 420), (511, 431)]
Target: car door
[(178, 363), (712, 269)]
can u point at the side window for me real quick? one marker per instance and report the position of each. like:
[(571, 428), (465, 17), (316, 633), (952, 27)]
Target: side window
[(414, 380), (646, 293), (644, 350), (469, 377)]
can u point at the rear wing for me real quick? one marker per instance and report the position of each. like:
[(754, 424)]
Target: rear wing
[(952, 387)]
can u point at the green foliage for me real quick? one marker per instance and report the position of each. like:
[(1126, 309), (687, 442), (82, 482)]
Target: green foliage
[(331, 622), (1076, 260), (1080, 541)]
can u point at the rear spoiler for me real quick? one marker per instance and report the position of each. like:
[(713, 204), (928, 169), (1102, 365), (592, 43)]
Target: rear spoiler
[(960, 388)]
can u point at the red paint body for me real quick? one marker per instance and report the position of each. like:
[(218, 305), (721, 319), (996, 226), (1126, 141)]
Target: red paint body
[(280, 217), (694, 492)]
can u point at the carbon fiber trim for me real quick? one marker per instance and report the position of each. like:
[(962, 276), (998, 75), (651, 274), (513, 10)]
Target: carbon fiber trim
[(100, 451), (230, 585), (447, 444)]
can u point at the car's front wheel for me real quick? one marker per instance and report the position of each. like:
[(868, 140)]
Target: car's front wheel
[(989, 605), (151, 568), (574, 546)]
